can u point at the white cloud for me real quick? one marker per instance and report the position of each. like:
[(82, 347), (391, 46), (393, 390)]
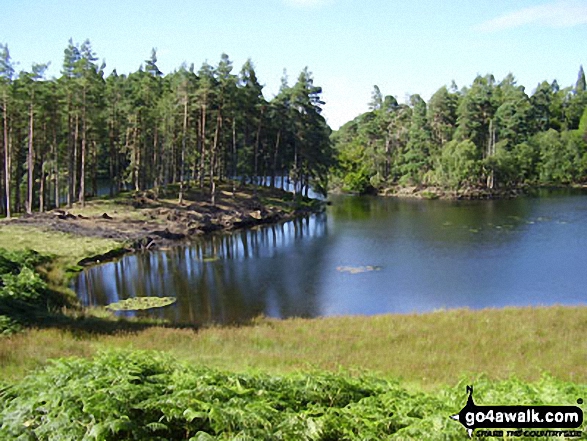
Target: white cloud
[(307, 3), (558, 14)]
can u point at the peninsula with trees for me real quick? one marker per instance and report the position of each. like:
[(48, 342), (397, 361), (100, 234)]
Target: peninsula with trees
[(488, 139)]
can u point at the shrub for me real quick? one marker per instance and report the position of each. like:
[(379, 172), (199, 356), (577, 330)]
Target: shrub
[(21, 287)]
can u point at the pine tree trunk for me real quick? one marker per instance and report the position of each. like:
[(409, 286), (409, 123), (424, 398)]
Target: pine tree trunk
[(275, 156), (82, 178), (42, 185), (183, 148), (18, 176), (69, 163), (156, 161), (42, 190), (203, 148), (490, 152), (30, 161), (387, 170), (75, 142), (213, 159), (256, 158), (111, 158), (6, 156), (137, 153), (94, 168)]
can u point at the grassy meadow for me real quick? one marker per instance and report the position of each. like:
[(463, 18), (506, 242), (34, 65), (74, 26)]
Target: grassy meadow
[(426, 350)]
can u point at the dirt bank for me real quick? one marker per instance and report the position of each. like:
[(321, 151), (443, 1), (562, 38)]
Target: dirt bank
[(144, 220)]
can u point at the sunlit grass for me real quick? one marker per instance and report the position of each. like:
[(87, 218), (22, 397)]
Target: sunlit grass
[(425, 350), (68, 248)]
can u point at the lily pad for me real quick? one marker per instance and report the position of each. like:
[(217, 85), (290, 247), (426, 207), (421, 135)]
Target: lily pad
[(357, 269), (141, 303)]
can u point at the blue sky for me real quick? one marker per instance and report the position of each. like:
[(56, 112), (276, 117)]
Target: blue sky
[(404, 47)]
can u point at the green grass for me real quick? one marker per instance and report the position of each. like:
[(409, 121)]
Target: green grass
[(67, 248), (426, 350)]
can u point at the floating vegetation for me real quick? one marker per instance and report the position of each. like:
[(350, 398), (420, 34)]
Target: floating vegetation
[(210, 259), (141, 303), (357, 269), (473, 230)]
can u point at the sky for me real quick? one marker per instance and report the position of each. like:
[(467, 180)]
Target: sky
[(404, 47)]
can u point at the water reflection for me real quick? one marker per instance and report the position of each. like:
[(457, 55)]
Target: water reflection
[(226, 278)]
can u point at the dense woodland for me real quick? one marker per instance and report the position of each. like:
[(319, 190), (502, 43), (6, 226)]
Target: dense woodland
[(489, 135), (61, 136)]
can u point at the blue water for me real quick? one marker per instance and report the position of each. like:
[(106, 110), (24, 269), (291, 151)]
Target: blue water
[(416, 256)]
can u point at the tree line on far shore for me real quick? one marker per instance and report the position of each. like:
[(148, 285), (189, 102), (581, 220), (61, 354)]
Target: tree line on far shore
[(60, 136), (488, 135)]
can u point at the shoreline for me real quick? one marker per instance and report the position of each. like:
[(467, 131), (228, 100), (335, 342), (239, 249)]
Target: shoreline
[(140, 221), (467, 193)]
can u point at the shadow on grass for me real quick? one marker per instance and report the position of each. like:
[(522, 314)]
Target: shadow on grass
[(81, 322), (76, 320), (91, 325)]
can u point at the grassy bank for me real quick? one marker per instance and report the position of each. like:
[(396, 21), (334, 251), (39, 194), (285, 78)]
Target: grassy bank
[(425, 350)]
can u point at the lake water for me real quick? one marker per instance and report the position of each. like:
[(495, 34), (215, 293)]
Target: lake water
[(367, 255)]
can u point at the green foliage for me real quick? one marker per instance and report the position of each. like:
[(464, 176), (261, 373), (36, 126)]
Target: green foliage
[(149, 395), (18, 279), (476, 110), (8, 326), (559, 157), (26, 286), (459, 162), (21, 287), (353, 169)]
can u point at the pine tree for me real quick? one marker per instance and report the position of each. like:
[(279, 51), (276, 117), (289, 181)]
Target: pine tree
[(580, 85), (416, 157), (442, 116), (376, 99)]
